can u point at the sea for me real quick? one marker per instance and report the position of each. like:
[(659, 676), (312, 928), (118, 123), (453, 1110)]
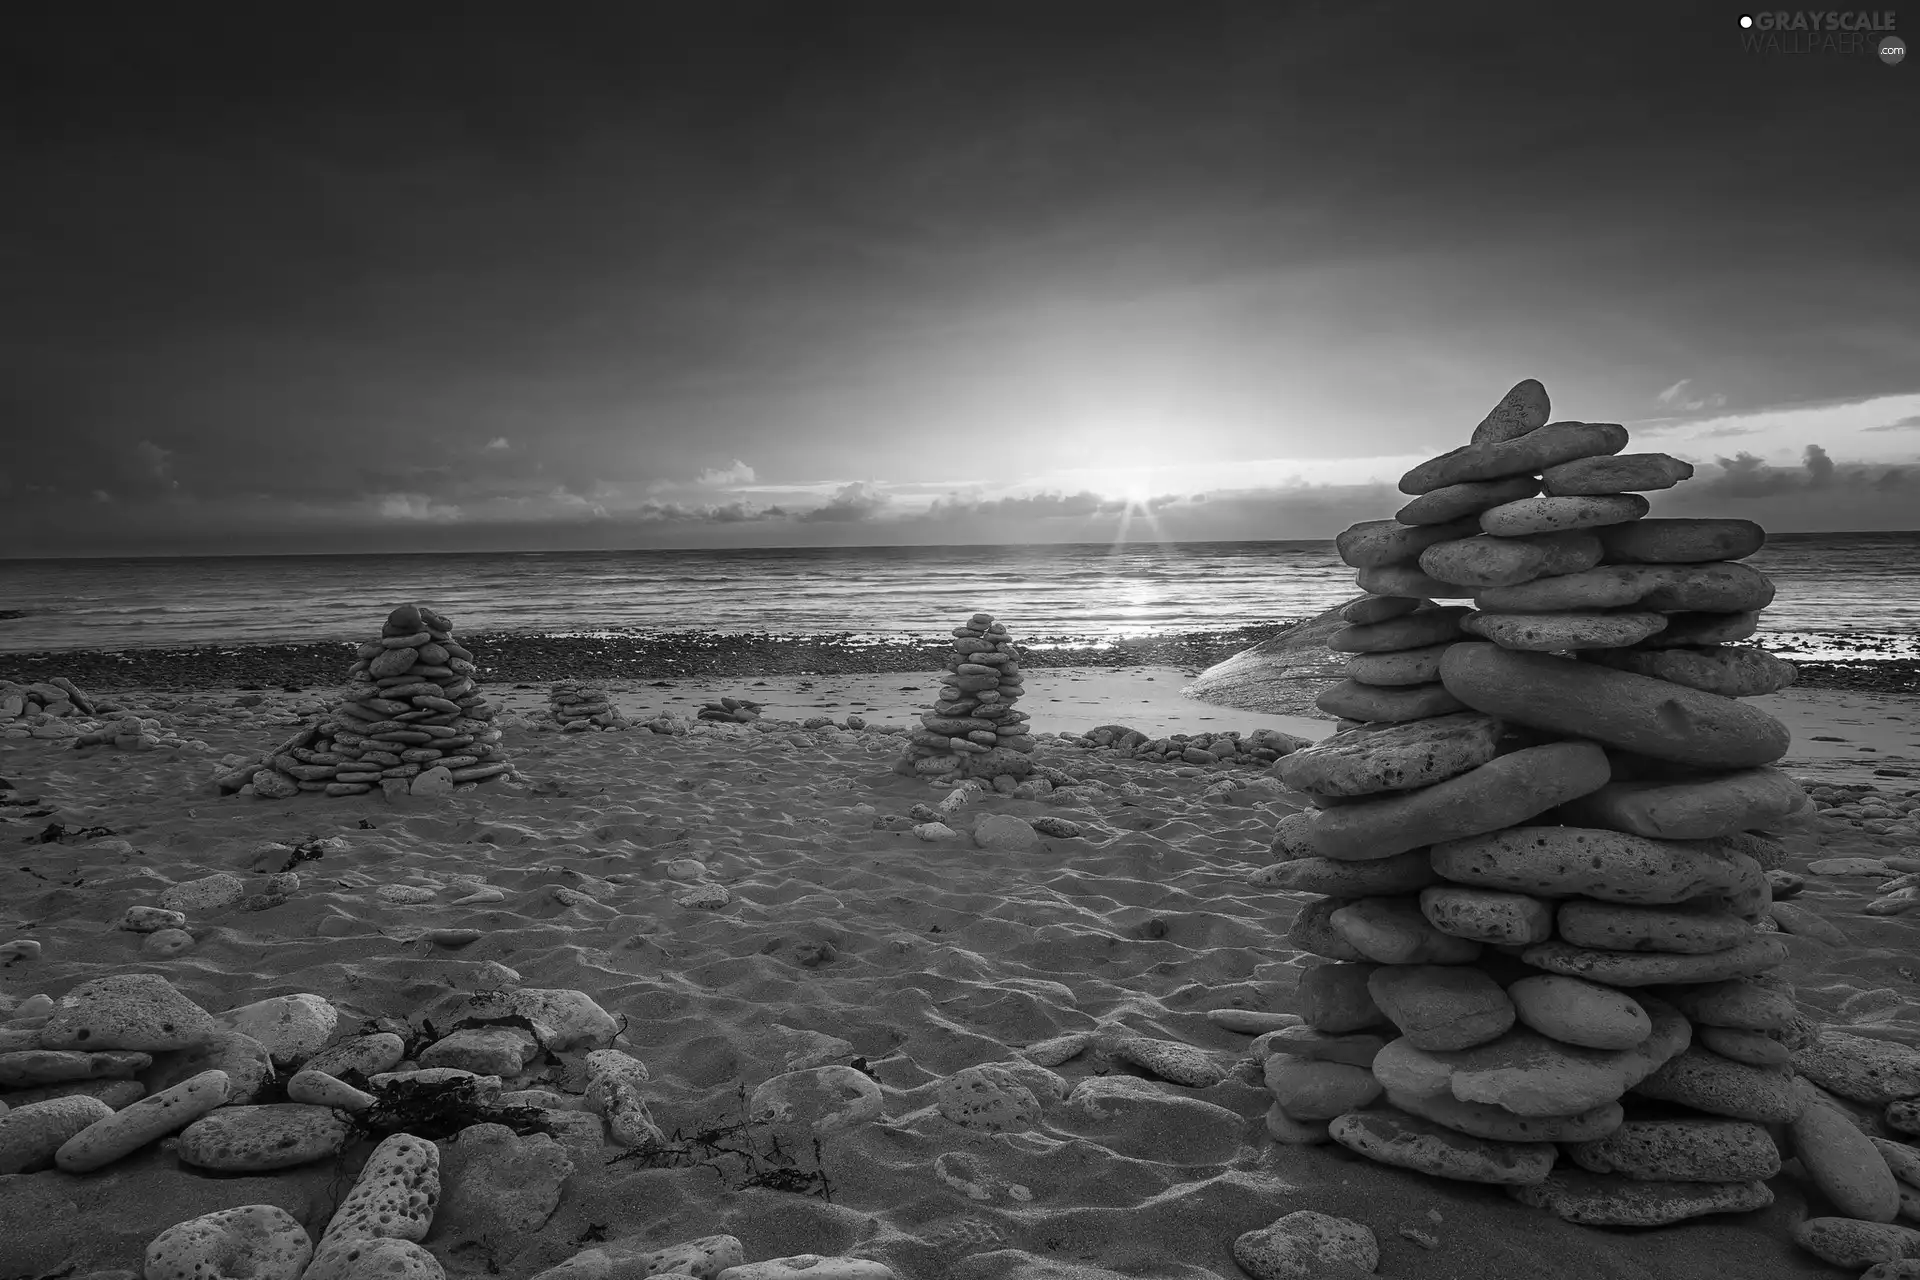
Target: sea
[(1851, 597)]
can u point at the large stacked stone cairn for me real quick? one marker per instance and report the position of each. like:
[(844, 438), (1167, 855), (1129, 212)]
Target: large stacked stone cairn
[(973, 730), (1542, 853), (414, 720), (580, 707)]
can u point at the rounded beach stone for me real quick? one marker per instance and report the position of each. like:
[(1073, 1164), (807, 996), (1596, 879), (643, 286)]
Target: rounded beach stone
[(293, 1028), (1728, 670), (1386, 704), (1497, 1124), (1721, 587), (1618, 926), (1754, 1048), (1407, 580), (825, 1099), (254, 1242), (30, 1134), (1682, 541), (1169, 1060), (1485, 561), (1592, 1200), (1312, 1090), (1682, 1151), (133, 1127), (1312, 930), (1844, 1164), (1554, 443), (1398, 757), (1372, 544), (1392, 931), (1455, 501), (1696, 809), (1738, 1005), (1553, 632), (1617, 708), (1860, 1068), (1004, 833), (1371, 609), (126, 1011), (1307, 1246), (1577, 1012), (1641, 969), (804, 1266), (252, 1139), (1621, 473), (1533, 1075), (1486, 915), (368, 1055), (1562, 862), (1441, 1006), (1334, 998), (1852, 1244), (1283, 1128), (1404, 666), (26, 1068), (1395, 1138), (394, 1196), (1607, 587), (317, 1088), (1406, 872), (1414, 630), (1549, 514), (1499, 793), (1707, 1082), (1523, 409), (1692, 630), (989, 1098), (1302, 1041)]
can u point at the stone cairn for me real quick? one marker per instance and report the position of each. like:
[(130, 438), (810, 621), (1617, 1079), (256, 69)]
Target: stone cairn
[(1538, 837), (33, 710), (413, 720), (583, 706), (973, 730), (730, 710)]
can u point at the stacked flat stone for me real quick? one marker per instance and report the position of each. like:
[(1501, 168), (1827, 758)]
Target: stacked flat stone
[(585, 705), (413, 718), (973, 730), (1543, 874)]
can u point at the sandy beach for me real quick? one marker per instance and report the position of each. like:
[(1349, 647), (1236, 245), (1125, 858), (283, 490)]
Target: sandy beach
[(846, 939)]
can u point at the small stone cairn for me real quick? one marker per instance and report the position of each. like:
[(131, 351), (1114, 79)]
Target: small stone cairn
[(35, 710), (730, 710), (1539, 841), (580, 707), (414, 719), (973, 730)]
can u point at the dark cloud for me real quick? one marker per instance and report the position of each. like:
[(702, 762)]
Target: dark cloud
[(853, 502), (1904, 424), (1029, 507), (1745, 475)]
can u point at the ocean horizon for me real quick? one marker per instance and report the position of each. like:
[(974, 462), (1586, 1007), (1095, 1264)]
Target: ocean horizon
[(1846, 596)]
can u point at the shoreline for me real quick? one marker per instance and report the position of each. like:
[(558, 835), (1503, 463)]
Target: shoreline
[(521, 657)]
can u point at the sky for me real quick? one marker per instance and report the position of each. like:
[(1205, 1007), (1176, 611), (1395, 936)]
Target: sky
[(730, 273)]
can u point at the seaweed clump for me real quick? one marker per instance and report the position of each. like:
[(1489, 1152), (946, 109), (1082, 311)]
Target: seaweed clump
[(439, 1109), (746, 1148)]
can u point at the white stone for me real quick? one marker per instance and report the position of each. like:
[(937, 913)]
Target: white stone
[(293, 1028)]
